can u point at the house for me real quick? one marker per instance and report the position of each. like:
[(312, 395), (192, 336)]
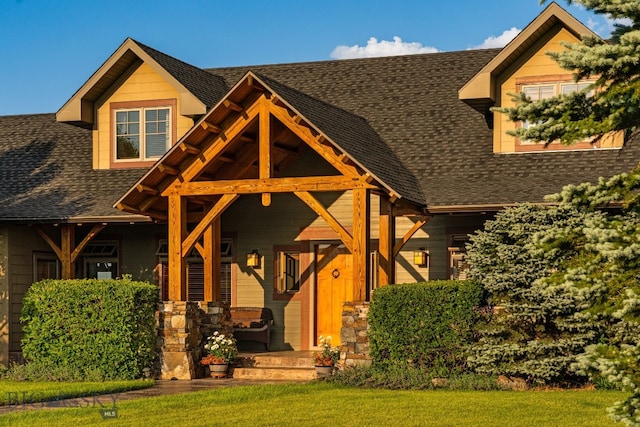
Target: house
[(296, 187)]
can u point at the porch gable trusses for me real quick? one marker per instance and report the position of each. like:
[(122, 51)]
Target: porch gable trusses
[(235, 149)]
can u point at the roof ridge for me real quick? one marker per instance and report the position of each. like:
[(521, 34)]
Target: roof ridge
[(148, 48), (371, 59)]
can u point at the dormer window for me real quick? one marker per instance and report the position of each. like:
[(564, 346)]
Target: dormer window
[(548, 87), (142, 133)]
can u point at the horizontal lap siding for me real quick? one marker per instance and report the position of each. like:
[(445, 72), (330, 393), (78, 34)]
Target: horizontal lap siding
[(23, 242), (143, 85)]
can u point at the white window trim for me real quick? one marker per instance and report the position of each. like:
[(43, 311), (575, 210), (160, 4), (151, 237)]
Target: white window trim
[(142, 124)]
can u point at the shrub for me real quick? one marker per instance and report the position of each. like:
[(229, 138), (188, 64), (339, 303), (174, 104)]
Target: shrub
[(399, 376), (537, 329), (89, 329), (426, 325)]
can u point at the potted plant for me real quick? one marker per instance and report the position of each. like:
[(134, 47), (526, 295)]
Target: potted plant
[(220, 351), (327, 359)]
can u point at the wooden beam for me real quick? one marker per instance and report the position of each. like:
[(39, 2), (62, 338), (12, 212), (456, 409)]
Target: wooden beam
[(307, 135), (224, 202), (83, 244), (244, 138), (360, 252), (251, 82), (232, 105), (271, 185), (211, 127), (49, 241), (188, 148), (149, 201), (417, 226), (265, 168), (218, 144), (176, 256), (169, 170), (335, 225), (285, 148), (407, 211), (211, 258), (145, 189), (227, 158), (387, 260)]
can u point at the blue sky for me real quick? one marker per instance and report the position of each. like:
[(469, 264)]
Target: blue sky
[(49, 48)]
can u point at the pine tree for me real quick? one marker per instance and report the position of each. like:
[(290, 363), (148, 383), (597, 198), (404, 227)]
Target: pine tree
[(536, 331), (611, 103)]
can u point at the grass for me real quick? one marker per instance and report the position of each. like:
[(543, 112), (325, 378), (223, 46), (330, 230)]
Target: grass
[(19, 392), (317, 404)]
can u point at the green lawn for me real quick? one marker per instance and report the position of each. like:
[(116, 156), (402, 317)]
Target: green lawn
[(319, 404), (19, 392)]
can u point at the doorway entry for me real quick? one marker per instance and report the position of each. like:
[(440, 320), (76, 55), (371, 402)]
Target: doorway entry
[(334, 286)]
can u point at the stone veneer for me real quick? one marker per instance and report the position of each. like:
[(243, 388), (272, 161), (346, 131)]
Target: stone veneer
[(354, 347), (182, 327)]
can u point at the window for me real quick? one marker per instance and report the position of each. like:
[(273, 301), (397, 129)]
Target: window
[(287, 272), (195, 272), (45, 266), (458, 266), (546, 90), (536, 93), (567, 88), (100, 259), (142, 133)]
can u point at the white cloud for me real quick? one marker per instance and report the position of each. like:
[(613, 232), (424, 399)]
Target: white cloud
[(381, 48), (499, 41), (605, 26)]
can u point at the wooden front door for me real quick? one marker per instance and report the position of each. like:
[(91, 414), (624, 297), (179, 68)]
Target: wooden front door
[(334, 283)]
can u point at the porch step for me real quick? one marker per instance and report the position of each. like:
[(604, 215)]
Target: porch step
[(284, 365)]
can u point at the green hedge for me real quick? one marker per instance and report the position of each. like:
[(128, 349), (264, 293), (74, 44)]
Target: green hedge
[(95, 329), (428, 325)]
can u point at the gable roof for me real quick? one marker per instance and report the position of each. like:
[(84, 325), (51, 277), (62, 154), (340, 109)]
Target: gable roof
[(480, 91), (198, 90), (349, 134)]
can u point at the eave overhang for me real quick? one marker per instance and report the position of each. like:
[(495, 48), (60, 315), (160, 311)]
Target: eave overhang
[(80, 109), (481, 92)]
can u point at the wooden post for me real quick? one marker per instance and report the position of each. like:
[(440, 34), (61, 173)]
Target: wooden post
[(211, 259), (386, 269), (177, 260), (265, 166), (361, 228), (67, 244)]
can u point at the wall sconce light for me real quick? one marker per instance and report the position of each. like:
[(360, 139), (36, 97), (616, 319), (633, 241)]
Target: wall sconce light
[(421, 257), (253, 259)]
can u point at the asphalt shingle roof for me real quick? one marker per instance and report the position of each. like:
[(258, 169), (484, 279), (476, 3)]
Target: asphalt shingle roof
[(440, 150), (207, 87), (46, 172), (354, 135), (412, 103)]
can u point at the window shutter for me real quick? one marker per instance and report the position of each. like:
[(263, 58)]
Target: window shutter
[(281, 281)]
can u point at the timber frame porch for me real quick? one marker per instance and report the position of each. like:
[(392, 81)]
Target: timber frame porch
[(242, 146)]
